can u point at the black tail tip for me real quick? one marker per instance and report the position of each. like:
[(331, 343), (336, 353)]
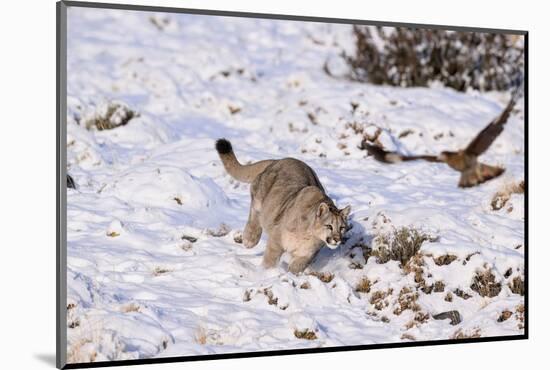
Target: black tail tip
[(223, 146)]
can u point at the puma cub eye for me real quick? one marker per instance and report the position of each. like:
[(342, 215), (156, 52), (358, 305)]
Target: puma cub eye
[(328, 227)]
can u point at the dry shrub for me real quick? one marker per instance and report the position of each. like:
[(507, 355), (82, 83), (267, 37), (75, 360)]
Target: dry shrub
[(406, 57), (325, 277), (517, 286), (305, 334), (271, 299), (414, 266), (378, 299), (73, 323), (461, 334), (445, 259), (468, 257), (407, 336), (78, 352), (419, 319), (520, 315), (113, 115), (439, 286), (485, 285), (406, 301), (400, 245), (462, 294), (238, 237), (160, 271), (247, 296), (205, 336), (201, 335), (130, 307), (503, 195)]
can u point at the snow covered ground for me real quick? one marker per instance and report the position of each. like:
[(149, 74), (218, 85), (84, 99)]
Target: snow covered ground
[(154, 268)]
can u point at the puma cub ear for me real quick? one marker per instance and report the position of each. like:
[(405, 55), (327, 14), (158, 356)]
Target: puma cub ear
[(345, 212), (322, 210)]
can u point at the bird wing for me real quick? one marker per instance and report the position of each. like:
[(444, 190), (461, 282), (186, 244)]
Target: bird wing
[(486, 137), (479, 174), (385, 156)]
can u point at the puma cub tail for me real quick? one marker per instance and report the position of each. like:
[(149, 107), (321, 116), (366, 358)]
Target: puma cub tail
[(243, 173)]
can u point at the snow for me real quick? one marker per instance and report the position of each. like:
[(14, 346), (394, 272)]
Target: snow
[(137, 289)]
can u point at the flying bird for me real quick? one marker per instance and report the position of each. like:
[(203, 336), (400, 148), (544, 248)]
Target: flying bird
[(465, 160)]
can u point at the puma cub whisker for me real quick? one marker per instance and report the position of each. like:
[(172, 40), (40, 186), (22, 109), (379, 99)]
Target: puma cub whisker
[(290, 204)]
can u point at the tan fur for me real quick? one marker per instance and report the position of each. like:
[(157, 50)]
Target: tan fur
[(289, 203)]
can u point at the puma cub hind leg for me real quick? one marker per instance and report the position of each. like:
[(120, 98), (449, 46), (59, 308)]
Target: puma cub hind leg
[(253, 229)]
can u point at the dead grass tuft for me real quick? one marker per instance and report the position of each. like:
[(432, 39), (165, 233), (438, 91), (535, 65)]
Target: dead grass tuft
[(485, 285), (364, 286), (305, 334)]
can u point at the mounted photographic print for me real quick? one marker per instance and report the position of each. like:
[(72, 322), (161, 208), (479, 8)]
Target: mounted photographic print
[(237, 185)]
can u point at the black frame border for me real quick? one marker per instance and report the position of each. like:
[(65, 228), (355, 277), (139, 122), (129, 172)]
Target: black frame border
[(61, 186)]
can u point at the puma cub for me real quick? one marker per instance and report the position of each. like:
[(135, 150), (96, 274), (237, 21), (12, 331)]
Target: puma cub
[(290, 204)]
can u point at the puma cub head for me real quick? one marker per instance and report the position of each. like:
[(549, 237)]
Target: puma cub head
[(330, 224)]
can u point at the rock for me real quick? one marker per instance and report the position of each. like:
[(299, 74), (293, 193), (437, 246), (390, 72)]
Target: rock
[(70, 182), (453, 315), (191, 239)]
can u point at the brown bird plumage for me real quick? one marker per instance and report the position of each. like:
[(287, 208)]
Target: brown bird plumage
[(465, 160)]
